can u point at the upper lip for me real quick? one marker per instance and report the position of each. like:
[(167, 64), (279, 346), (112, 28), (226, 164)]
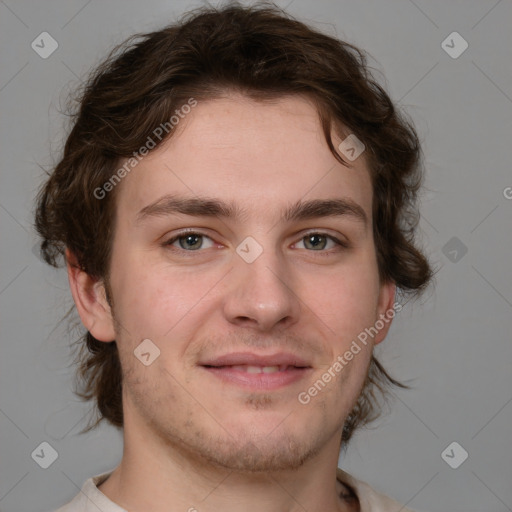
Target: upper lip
[(251, 359)]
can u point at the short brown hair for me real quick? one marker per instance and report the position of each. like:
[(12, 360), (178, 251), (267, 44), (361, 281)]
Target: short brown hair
[(264, 53)]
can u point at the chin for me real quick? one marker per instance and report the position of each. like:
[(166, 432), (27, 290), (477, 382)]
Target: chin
[(261, 458)]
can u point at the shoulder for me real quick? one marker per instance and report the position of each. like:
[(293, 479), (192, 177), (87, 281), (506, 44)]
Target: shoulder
[(369, 499), (91, 499)]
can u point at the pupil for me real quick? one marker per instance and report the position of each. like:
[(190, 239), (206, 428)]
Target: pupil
[(316, 240), (191, 242)]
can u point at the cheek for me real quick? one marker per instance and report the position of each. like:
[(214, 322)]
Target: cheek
[(346, 300), (156, 301)]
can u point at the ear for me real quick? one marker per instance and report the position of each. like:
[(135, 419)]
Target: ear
[(385, 309), (90, 299)]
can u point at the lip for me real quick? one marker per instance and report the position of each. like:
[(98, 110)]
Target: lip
[(293, 369), (251, 359)]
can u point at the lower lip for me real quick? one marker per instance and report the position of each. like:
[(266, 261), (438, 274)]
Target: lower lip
[(266, 381)]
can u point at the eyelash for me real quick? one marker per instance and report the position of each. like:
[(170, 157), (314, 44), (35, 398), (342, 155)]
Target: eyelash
[(341, 244)]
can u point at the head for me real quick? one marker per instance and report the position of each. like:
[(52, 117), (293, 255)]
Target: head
[(228, 124)]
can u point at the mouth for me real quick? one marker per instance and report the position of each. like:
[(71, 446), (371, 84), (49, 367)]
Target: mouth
[(257, 369), (258, 372)]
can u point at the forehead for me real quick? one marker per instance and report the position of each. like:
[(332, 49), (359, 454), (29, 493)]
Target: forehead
[(261, 154)]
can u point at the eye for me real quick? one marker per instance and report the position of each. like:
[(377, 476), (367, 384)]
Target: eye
[(320, 242), (190, 241)]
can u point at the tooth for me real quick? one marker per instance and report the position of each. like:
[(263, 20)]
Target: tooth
[(253, 369), (258, 369), (270, 369)]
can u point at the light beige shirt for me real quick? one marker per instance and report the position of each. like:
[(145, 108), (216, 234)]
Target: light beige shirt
[(91, 499)]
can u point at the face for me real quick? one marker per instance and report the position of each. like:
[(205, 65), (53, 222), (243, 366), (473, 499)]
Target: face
[(248, 294)]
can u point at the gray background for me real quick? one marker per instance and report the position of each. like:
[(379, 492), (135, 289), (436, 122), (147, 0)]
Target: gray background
[(455, 343)]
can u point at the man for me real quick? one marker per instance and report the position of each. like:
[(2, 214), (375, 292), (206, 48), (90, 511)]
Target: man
[(235, 205)]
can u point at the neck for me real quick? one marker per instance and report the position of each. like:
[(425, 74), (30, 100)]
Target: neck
[(154, 474)]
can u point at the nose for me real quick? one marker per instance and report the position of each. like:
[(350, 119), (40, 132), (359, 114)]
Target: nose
[(261, 294)]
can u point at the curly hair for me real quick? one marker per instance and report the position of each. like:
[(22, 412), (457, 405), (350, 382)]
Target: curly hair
[(263, 53)]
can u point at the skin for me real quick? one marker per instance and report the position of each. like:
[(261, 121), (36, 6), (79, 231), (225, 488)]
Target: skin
[(190, 439)]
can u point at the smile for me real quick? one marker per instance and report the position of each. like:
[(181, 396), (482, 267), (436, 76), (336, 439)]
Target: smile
[(253, 371)]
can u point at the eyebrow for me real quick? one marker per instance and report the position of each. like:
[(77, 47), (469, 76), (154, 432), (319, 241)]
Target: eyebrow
[(212, 207)]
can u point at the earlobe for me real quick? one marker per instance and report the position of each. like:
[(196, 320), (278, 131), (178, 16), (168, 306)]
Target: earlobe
[(385, 310), (91, 301)]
